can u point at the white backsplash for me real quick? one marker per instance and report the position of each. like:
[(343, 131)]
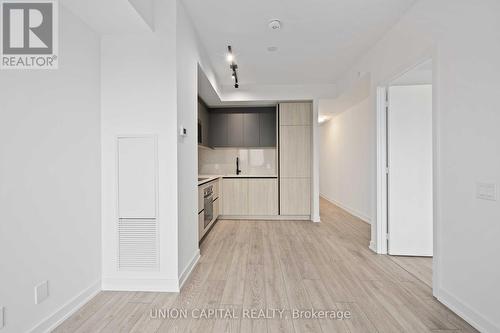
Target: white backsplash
[(222, 161)]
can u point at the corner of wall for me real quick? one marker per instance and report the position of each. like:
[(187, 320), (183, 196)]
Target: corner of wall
[(373, 246), (354, 212), (186, 272), (316, 218), (51, 322), (474, 318)]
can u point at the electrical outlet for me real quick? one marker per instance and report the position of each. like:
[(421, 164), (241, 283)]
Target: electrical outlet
[(41, 292), (2, 317), (486, 191)]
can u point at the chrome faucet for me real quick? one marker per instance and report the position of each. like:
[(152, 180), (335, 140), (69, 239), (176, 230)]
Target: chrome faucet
[(238, 171)]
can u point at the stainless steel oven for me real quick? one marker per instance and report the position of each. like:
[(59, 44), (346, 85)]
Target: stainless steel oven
[(208, 205)]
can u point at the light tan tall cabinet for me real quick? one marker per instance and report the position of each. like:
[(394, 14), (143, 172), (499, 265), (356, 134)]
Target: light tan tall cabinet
[(295, 126)]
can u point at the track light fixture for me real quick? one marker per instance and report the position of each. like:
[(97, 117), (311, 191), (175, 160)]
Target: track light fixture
[(233, 66)]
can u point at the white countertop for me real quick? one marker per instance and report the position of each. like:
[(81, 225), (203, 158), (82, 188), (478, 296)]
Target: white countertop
[(210, 178), (207, 179)]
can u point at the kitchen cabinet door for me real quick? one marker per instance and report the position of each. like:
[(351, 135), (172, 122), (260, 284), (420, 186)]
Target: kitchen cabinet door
[(204, 122), (295, 196), (235, 196), (295, 151), (251, 129), (218, 130), (201, 226), (267, 129), (263, 197), (216, 209), (216, 188), (235, 129), (200, 198), (295, 114)]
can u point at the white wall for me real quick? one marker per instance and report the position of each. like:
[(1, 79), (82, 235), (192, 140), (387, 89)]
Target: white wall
[(139, 97), (187, 147), (345, 157), (190, 54), (461, 36), (50, 182)]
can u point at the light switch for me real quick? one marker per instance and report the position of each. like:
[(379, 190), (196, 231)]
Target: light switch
[(41, 292), (486, 191)]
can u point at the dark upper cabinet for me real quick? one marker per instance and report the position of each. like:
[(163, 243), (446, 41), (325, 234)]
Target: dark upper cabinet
[(218, 130), (203, 123), (267, 132), (235, 129), (251, 129), (242, 129)]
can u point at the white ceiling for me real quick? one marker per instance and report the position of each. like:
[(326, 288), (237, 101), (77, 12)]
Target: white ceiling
[(114, 16), (354, 95), (319, 39), (211, 98)]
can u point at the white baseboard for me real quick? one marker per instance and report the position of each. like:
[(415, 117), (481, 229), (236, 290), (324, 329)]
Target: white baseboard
[(141, 284), (270, 218), (373, 247), (316, 219), (189, 268), (55, 319), (467, 313), (348, 209)]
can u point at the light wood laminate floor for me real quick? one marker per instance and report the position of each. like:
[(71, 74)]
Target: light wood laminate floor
[(284, 264), (421, 267)]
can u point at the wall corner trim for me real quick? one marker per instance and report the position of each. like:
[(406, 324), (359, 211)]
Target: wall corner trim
[(468, 314), (55, 319), (189, 269), (373, 246)]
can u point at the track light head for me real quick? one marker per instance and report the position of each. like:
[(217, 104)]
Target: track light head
[(233, 66)]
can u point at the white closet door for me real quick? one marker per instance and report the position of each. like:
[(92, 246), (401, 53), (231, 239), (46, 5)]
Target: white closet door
[(410, 170), (137, 177)]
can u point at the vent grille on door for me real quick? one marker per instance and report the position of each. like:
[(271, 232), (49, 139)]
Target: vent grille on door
[(138, 244)]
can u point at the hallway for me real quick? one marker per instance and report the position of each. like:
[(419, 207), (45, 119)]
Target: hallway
[(283, 265)]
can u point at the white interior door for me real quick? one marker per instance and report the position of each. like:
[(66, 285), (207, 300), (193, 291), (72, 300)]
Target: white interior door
[(410, 215)]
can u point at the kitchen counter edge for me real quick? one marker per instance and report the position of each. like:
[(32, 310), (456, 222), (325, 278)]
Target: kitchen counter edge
[(211, 178)]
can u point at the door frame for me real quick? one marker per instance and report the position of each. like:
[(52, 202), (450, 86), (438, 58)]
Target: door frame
[(381, 227)]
